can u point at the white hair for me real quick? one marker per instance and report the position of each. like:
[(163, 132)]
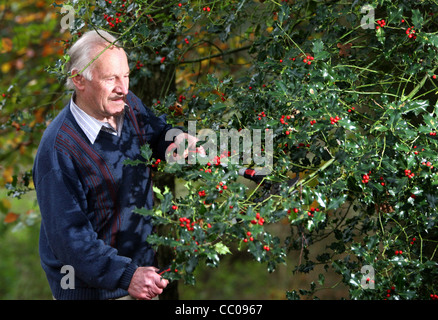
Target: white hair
[(81, 53)]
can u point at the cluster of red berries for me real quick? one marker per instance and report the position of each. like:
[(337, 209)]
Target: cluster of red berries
[(381, 24), (207, 9), (258, 220), (202, 193), (114, 21), (409, 174), (308, 60), (282, 121), (261, 115), (351, 109), (208, 170), (427, 164), (250, 237), (181, 98), (366, 178), (413, 240), (266, 248), (390, 291), (411, 33), (416, 152), (138, 65), (312, 210), (110, 19), (221, 187), (187, 223), (156, 163), (312, 122), (217, 159), (434, 296), (302, 145), (334, 120), (398, 252), (432, 133)]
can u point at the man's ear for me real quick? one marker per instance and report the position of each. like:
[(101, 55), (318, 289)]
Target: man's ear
[(78, 79)]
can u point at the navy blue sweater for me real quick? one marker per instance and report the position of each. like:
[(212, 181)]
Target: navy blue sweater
[(87, 196)]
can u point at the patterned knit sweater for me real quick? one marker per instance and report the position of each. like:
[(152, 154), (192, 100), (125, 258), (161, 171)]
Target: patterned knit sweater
[(87, 195)]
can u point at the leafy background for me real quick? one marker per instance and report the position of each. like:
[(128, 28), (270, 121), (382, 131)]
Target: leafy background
[(352, 110)]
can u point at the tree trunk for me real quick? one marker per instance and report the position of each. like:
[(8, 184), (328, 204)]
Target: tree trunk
[(148, 89)]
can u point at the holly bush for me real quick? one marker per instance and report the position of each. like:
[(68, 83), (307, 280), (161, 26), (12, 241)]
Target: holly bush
[(353, 113), (346, 90)]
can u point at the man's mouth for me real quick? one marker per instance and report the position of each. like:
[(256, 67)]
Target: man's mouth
[(118, 99)]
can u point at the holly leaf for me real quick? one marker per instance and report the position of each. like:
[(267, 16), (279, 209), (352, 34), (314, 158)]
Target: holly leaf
[(220, 248), (146, 152), (380, 33), (417, 19), (318, 50), (158, 193)]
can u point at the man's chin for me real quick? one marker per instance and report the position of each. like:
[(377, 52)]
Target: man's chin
[(117, 107)]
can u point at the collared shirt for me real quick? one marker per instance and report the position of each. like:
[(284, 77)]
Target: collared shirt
[(91, 126)]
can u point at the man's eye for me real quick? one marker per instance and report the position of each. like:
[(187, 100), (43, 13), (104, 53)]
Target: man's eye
[(110, 79)]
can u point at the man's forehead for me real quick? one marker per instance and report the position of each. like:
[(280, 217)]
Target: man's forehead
[(111, 61)]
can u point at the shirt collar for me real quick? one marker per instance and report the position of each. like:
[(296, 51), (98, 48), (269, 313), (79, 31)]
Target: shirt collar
[(90, 125)]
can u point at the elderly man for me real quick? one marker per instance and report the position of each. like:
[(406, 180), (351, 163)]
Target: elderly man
[(85, 192)]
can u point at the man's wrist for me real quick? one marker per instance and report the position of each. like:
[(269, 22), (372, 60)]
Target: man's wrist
[(127, 275)]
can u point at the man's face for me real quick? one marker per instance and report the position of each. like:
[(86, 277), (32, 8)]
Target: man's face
[(104, 96)]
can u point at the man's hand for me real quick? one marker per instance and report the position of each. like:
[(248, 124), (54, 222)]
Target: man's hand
[(177, 151), (182, 138), (146, 283)]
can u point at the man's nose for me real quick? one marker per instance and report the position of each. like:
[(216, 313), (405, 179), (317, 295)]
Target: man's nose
[(122, 87)]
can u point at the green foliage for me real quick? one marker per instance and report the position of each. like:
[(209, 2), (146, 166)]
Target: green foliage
[(353, 113)]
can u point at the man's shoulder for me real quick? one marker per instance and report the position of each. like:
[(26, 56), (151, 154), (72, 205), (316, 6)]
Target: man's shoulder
[(55, 125), (61, 126)]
